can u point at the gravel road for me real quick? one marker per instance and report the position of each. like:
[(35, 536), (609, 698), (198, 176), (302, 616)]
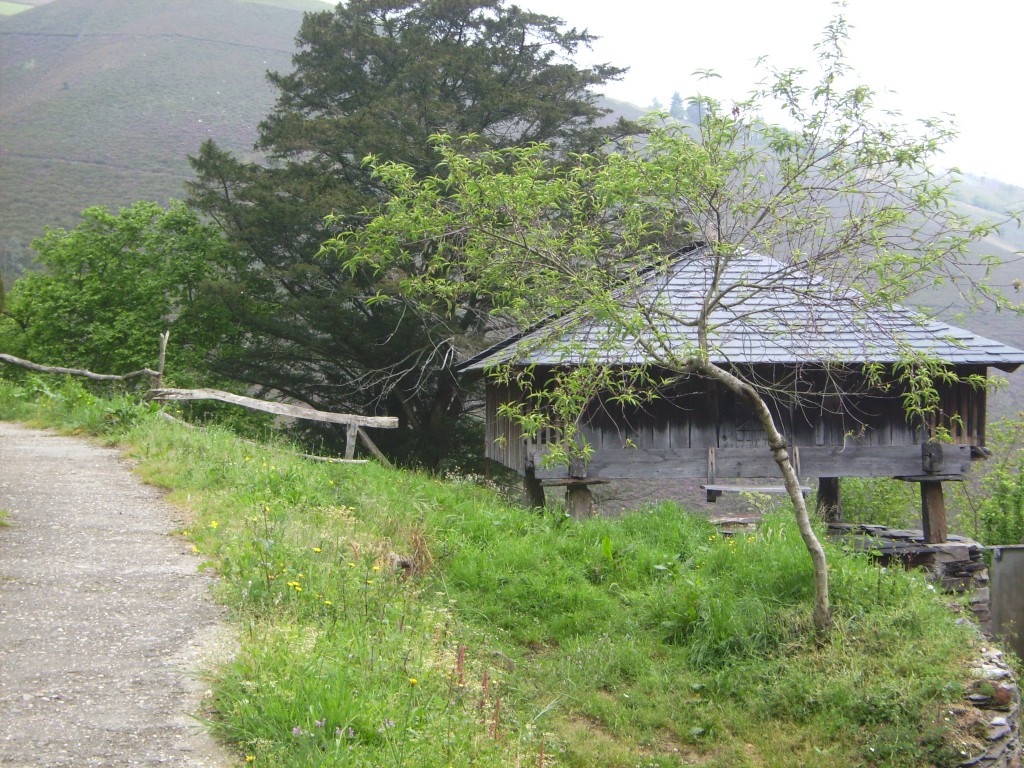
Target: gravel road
[(103, 615)]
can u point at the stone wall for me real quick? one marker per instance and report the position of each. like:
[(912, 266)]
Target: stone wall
[(995, 694)]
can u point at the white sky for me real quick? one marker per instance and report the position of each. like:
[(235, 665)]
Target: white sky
[(936, 57)]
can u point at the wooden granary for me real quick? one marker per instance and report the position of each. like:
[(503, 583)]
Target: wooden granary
[(809, 349)]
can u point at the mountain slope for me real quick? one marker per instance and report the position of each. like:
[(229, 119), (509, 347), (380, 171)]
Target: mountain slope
[(101, 101)]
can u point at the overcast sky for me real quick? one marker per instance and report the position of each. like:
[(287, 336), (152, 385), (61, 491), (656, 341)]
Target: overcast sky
[(931, 58)]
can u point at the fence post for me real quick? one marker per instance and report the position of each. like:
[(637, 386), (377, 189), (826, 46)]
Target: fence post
[(351, 430)]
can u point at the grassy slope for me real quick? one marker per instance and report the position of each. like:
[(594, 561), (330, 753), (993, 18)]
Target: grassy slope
[(103, 102), (519, 639)]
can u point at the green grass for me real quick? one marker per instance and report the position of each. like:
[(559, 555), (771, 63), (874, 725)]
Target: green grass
[(881, 501), (649, 640)]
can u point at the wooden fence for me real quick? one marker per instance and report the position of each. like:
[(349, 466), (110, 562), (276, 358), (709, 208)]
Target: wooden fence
[(355, 425)]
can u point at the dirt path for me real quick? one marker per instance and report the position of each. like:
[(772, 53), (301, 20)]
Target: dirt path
[(103, 615)]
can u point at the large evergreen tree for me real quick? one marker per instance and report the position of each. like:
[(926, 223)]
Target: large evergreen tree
[(677, 108), (376, 78)]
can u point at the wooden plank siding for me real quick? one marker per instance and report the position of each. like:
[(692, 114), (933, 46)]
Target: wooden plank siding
[(836, 432), (824, 461)]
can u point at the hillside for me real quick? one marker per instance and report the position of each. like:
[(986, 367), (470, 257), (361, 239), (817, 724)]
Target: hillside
[(984, 199), (102, 101)]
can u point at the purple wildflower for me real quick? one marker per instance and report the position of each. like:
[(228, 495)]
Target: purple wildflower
[(320, 723), (388, 723), (297, 730)]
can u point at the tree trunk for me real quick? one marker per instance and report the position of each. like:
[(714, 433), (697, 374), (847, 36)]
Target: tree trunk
[(777, 442)]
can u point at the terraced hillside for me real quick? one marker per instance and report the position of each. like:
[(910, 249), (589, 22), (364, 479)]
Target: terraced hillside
[(101, 101)]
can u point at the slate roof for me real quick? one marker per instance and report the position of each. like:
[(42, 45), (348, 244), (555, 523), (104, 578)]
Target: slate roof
[(775, 315)]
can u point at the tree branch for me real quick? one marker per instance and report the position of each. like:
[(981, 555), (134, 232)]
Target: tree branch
[(12, 360)]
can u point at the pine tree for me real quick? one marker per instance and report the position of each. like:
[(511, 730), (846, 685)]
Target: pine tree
[(676, 108), (378, 79)]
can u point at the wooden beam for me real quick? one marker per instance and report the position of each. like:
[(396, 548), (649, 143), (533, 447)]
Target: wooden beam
[(933, 512), (815, 461), (278, 409), (932, 459), (878, 461), (351, 431), (158, 380), (636, 463), (372, 447)]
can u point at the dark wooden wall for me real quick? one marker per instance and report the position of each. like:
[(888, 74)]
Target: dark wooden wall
[(838, 421)]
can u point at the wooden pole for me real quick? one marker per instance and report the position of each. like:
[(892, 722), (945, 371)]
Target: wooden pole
[(372, 447), (74, 371), (933, 512), (279, 409), (579, 502), (158, 380), (829, 507), (351, 431)]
